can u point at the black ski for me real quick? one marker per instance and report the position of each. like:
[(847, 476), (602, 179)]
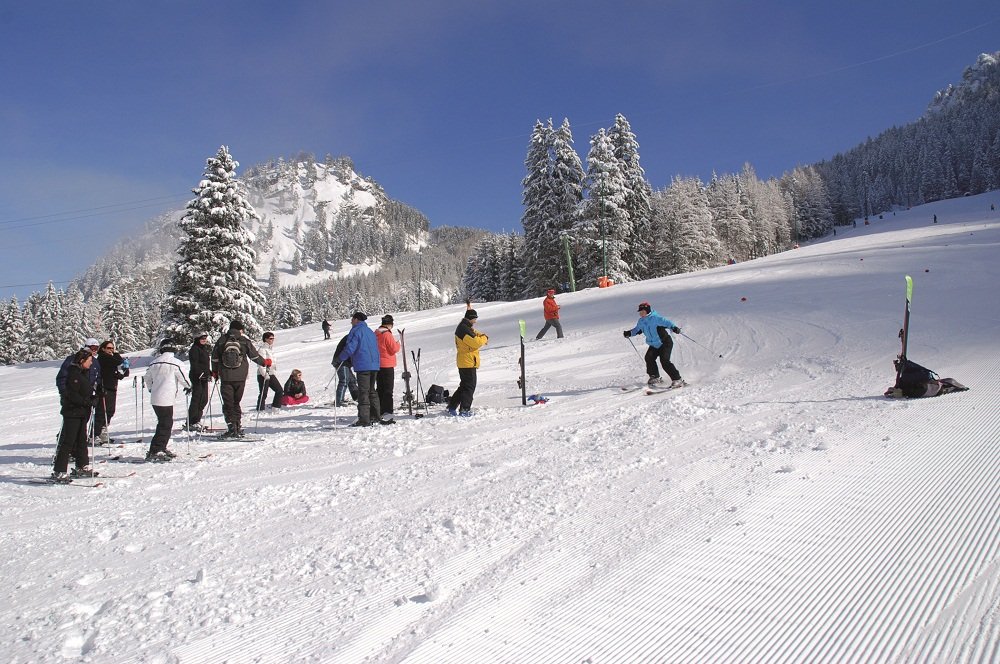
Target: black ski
[(521, 382), (49, 480)]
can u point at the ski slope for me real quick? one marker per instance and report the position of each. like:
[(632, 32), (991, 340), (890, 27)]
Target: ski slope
[(778, 509)]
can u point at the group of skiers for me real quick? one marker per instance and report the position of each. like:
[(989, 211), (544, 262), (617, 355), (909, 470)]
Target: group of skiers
[(364, 360)]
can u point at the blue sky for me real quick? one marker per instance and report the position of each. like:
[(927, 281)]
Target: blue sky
[(109, 110)]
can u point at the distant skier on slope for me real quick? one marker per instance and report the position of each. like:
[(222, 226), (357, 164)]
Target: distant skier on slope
[(654, 327)]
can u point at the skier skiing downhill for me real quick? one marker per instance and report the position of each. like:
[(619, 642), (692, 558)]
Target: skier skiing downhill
[(654, 327)]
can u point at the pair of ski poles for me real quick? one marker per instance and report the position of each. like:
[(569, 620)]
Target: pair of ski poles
[(683, 335)]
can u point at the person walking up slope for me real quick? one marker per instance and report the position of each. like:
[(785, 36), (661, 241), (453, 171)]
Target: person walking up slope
[(362, 349), (551, 311), (654, 327), (387, 349), (468, 341), (164, 379)]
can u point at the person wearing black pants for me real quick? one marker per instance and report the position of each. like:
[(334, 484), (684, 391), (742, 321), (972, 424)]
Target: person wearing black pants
[(77, 400), (113, 368), (164, 379), (655, 328), (468, 341), (387, 349), (200, 373), (231, 359), (266, 377)]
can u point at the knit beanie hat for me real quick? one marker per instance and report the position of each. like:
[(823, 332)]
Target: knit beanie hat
[(470, 314)]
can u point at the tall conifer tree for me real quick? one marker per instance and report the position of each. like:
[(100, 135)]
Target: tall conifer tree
[(638, 193), (214, 280)]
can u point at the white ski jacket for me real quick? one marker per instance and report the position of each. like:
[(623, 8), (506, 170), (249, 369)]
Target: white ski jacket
[(267, 353), (165, 378)]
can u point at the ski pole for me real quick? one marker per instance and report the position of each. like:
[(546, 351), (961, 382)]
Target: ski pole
[(135, 393), (187, 416), (698, 344), (211, 417), (93, 423), (635, 349), (142, 410)]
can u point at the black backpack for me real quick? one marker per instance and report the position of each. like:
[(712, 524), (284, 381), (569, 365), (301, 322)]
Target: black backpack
[(232, 354), (435, 394)]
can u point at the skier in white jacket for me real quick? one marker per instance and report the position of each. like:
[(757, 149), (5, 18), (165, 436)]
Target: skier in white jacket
[(165, 378)]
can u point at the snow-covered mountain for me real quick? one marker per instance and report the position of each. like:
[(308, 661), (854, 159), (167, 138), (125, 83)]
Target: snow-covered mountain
[(983, 77), (322, 219), (778, 509), (328, 241)]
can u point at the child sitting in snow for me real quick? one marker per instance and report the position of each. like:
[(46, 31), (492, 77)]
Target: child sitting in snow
[(295, 390)]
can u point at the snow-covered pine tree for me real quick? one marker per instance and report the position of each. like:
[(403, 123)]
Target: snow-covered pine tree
[(813, 217), (683, 220), (539, 261), (214, 280), (566, 190), (358, 302), (12, 333), (45, 325), (638, 192), (731, 227), (602, 230), (118, 322), (511, 282)]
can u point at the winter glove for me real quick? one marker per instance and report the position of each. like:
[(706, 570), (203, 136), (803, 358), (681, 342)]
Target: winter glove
[(675, 329), (187, 390), (268, 362), (627, 333), (123, 373)]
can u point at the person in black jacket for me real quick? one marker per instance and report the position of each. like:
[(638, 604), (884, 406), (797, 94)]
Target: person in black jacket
[(94, 374), (200, 373), (231, 359), (295, 390), (77, 400), (346, 380), (114, 368)]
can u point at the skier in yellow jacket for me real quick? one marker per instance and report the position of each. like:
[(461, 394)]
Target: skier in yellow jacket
[(468, 341)]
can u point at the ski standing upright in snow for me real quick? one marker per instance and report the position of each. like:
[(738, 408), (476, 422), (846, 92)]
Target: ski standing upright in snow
[(520, 381)]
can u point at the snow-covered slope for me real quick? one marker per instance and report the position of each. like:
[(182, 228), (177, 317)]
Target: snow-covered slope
[(778, 509)]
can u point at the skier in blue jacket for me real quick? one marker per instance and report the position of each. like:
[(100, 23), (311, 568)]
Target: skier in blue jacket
[(362, 349), (655, 328)]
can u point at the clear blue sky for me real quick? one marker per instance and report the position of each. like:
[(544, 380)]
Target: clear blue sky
[(109, 110)]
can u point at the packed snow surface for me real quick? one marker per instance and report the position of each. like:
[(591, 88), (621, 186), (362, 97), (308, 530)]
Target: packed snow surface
[(777, 509)]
